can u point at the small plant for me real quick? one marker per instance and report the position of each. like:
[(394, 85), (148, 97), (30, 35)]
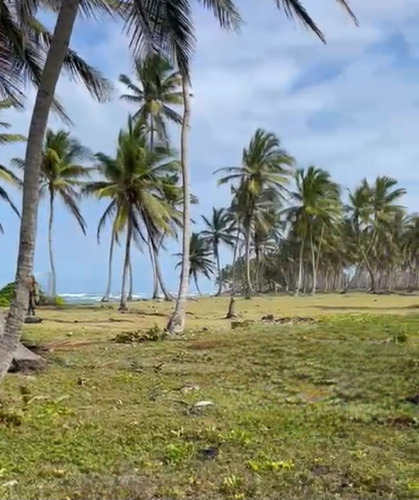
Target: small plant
[(270, 465), (153, 334), (400, 338), (176, 453), (231, 487)]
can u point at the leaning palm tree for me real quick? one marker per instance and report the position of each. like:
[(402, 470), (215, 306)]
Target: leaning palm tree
[(265, 165), (218, 231), (153, 25), (200, 259), (133, 182), (61, 171)]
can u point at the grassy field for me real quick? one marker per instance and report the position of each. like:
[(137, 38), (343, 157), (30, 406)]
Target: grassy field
[(301, 410)]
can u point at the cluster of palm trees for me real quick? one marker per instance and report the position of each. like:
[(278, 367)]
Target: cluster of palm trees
[(29, 52), (293, 232)]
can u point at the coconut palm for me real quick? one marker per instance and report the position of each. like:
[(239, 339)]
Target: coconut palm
[(316, 203), (62, 170), (25, 42), (134, 181), (265, 165), (157, 91), (200, 259), (152, 25), (371, 211), (218, 231)]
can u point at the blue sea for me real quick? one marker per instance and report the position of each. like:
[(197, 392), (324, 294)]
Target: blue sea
[(95, 298)]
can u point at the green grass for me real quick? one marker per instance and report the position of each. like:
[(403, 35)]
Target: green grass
[(301, 411)]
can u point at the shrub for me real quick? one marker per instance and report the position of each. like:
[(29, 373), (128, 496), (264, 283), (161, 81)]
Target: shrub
[(151, 335)]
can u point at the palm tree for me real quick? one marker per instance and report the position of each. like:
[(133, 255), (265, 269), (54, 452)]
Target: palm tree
[(61, 171), (265, 165), (158, 90), (134, 181), (25, 42), (371, 211), (151, 25), (218, 231), (316, 204), (200, 259)]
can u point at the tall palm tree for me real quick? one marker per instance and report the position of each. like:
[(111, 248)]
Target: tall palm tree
[(371, 210), (25, 42), (134, 181), (218, 231), (200, 259), (264, 165), (153, 24), (61, 171), (316, 203), (157, 91)]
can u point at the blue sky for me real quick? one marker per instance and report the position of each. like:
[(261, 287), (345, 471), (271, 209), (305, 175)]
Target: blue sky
[(350, 107)]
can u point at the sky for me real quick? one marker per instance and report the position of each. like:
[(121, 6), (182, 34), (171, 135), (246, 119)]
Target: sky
[(351, 107)]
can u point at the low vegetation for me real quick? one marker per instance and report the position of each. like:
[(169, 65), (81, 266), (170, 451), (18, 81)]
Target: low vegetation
[(315, 408)]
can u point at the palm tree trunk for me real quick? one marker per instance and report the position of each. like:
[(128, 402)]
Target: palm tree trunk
[(177, 321), (51, 72), (167, 295), (123, 301), (231, 313), (153, 267), (105, 298), (248, 292), (217, 259), (313, 263), (195, 278), (300, 267), (51, 253), (131, 281)]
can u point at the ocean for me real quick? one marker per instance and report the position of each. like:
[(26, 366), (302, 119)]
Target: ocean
[(95, 298)]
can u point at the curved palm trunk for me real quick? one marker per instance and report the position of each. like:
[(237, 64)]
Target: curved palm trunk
[(248, 292), (52, 68), (123, 301), (300, 268), (167, 295), (51, 253), (177, 321), (131, 281), (105, 298), (217, 259), (231, 313)]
